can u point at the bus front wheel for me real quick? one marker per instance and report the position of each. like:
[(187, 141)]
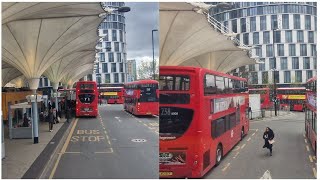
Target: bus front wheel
[(219, 154)]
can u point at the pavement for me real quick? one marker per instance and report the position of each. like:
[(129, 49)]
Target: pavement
[(116, 144), (292, 157), (20, 154)]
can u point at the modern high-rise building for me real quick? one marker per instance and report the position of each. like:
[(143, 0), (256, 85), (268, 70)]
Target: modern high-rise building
[(284, 32), (131, 70), (112, 57)]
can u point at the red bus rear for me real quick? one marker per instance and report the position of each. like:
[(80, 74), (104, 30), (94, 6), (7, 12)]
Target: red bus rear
[(292, 98), (86, 98), (265, 98), (141, 97), (202, 117), (114, 95), (311, 113)]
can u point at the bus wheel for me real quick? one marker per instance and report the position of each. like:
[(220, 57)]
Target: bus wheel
[(219, 154), (242, 133)]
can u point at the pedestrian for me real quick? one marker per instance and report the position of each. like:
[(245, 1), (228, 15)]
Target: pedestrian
[(68, 114), (51, 120), (268, 136), (54, 112), (25, 120)]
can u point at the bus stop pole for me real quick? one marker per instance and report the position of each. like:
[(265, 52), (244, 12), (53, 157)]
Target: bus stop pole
[(55, 92)]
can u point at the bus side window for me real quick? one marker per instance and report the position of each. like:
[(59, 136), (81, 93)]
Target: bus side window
[(209, 85)]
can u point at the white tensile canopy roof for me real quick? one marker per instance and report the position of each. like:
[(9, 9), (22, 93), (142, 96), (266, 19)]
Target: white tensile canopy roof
[(39, 35), (187, 39)]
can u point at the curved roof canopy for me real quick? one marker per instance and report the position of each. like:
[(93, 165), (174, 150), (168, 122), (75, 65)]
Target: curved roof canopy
[(8, 73), (187, 38), (77, 73), (37, 35)]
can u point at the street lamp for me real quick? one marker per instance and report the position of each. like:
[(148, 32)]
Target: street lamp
[(274, 71), (154, 70), (99, 81)]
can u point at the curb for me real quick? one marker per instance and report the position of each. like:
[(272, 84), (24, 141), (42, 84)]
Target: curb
[(270, 118), (39, 166)]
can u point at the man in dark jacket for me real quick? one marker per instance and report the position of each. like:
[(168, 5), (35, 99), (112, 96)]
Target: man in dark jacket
[(51, 120), (268, 136), (68, 115)]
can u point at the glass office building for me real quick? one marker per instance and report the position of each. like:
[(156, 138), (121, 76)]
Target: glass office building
[(283, 32)]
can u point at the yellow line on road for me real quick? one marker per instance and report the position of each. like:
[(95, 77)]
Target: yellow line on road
[(225, 168), (314, 172), (253, 134), (243, 146), (311, 160), (307, 148), (249, 139), (64, 148)]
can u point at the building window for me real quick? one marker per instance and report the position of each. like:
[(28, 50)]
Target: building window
[(265, 78), (251, 67), (263, 25), (121, 67), (287, 77), (225, 24), (258, 50), (246, 38), (243, 24), (108, 46), (104, 67), (98, 68), (105, 31), (303, 50), (121, 35), (310, 37), (284, 63), (122, 77), (307, 22), (285, 21), (295, 63), (313, 49), (298, 76), (98, 79), (110, 56), (277, 36), (280, 48), (40, 82), (262, 65), (102, 57), (266, 37), (292, 49), (118, 57), (289, 36), (113, 67), (107, 78), (254, 77), (272, 64), (300, 36), (276, 75), (255, 38), (296, 21), (116, 46), (234, 26), (269, 50), (306, 63), (114, 35), (116, 78), (252, 24), (315, 63), (274, 21), (309, 74)]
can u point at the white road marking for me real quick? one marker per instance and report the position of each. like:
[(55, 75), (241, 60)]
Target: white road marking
[(266, 175), (225, 168), (243, 146), (311, 160), (249, 139)]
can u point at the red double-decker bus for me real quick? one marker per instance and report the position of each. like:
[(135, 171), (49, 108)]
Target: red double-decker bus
[(141, 97), (311, 112), (86, 98), (265, 98), (203, 115), (113, 95), (292, 98)]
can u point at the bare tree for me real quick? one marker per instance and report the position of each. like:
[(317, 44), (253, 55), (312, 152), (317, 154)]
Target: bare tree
[(145, 70)]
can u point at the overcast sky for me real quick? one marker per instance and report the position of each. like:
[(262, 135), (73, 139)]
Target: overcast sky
[(140, 21)]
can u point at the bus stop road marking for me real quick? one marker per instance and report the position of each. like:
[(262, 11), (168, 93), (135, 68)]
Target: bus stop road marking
[(236, 155), (253, 134), (249, 139), (307, 148), (243, 146), (225, 168), (64, 148)]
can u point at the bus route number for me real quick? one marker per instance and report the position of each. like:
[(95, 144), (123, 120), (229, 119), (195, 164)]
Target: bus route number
[(167, 112)]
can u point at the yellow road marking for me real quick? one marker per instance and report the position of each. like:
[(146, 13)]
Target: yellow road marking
[(307, 148), (314, 172), (55, 167), (311, 160), (225, 168), (253, 134), (249, 139), (314, 157)]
